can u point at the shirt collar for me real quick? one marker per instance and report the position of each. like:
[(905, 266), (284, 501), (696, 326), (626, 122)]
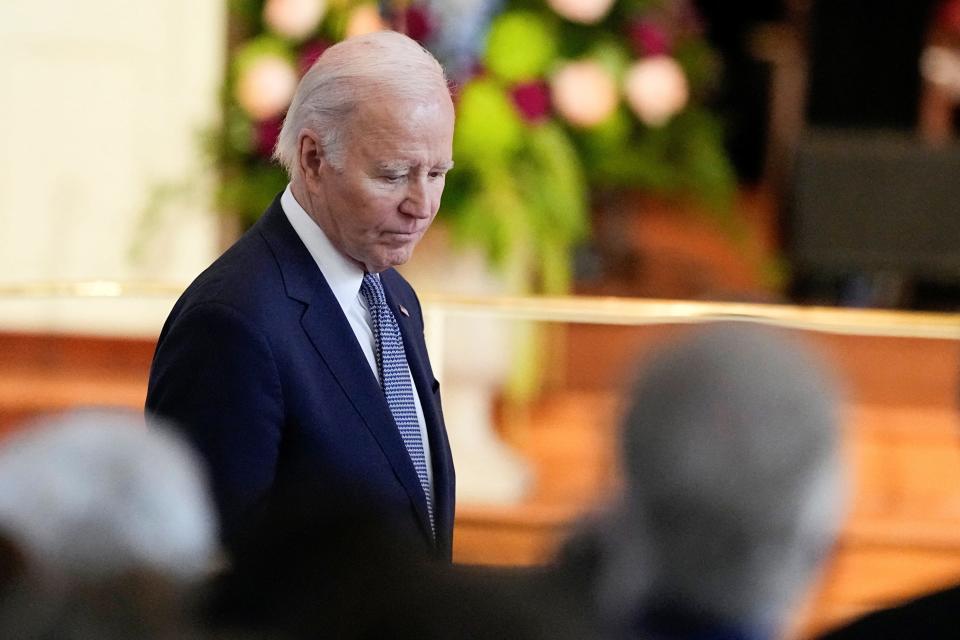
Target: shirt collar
[(342, 274)]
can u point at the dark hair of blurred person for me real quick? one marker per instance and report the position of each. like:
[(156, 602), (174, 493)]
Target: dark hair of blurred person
[(732, 491)]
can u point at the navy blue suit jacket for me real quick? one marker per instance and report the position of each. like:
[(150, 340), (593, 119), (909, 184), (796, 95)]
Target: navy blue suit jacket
[(259, 366)]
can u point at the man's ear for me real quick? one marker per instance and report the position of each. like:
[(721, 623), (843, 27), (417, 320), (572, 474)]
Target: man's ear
[(311, 156)]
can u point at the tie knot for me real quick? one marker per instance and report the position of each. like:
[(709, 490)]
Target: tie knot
[(372, 291)]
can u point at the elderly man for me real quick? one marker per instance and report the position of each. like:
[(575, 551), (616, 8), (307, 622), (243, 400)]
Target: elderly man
[(732, 496), (298, 358)]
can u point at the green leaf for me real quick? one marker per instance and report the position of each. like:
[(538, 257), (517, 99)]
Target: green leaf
[(488, 127), (521, 45), (557, 185), (259, 47)]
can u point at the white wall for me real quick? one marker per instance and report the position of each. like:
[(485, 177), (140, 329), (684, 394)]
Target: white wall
[(101, 101)]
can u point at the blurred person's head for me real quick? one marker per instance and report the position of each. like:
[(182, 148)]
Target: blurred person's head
[(733, 493), (367, 142), (95, 493), (107, 523)]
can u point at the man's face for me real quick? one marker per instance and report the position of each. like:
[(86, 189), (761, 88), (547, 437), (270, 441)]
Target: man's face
[(377, 205)]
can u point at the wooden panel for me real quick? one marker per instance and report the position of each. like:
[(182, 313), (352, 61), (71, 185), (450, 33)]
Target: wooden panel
[(63, 352), (40, 373), (520, 535), (896, 371), (907, 460), (877, 370)]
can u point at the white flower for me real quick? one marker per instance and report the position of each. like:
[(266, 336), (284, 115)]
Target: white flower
[(656, 89), (265, 88), (583, 11), (294, 19), (584, 93)]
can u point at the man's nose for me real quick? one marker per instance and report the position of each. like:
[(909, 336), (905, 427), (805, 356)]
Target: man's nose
[(417, 200)]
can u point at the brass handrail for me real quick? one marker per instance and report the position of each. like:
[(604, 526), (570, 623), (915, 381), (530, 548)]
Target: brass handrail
[(640, 311), (581, 309), (90, 289)]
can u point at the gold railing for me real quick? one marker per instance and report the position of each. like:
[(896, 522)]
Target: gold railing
[(639, 311), (636, 311), (571, 309), (580, 309)]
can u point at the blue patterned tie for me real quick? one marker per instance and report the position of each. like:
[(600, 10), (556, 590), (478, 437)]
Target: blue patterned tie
[(395, 379)]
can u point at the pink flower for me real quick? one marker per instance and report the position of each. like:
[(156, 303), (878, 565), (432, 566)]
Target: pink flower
[(419, 24), (532, 100), (265, 86), (584, 93), (265, 134), (649, 38), (295, 19), (582, 11), (309, 54), (656, 89)]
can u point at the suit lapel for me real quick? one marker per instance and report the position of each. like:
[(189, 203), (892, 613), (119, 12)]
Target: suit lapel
[(331, 335)]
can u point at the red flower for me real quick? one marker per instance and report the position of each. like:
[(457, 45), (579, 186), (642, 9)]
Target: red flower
[(309, 54), (418, 23), (532, 100), (265, 134), (648, 38)]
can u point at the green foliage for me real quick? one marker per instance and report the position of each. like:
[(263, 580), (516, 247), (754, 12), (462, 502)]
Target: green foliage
[(258, 47), (529, 217), (557, 191), (488, 128), (521, 45), (249, 192), (524, 175)]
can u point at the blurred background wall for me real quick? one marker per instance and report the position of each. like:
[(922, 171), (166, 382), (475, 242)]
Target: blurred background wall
[(102, 103)]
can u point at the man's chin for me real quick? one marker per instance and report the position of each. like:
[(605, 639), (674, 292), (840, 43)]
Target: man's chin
[(389, 260)]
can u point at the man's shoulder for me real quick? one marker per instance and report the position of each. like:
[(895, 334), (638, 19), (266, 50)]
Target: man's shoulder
[(246, 278), (242, 268)]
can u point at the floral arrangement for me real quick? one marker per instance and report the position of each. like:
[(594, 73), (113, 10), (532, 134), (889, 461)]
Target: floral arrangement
[(557, 100)]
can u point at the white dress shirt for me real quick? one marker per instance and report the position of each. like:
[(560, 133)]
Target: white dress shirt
[(344, 277)]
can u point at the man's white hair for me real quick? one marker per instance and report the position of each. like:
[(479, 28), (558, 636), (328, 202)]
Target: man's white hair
[(733, 483), (93, 494), (384, 65)]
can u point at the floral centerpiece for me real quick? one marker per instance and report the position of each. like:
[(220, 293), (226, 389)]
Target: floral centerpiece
[(557, 100)]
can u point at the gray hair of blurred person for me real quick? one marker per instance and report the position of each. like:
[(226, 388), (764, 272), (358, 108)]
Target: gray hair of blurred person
[(733, 490), (384, 65), (89, 495)]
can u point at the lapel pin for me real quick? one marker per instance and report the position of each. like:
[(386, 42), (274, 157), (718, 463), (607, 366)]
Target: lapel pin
[(404, 311)]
